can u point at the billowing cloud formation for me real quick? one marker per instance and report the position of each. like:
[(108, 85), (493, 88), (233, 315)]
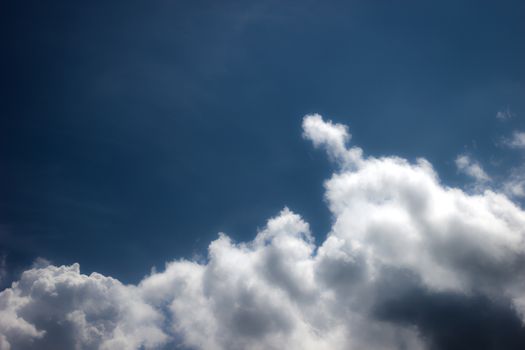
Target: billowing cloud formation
[(59, 308), (400, 244)]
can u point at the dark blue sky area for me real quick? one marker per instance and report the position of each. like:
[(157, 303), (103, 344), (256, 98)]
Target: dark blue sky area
[(133, 131)]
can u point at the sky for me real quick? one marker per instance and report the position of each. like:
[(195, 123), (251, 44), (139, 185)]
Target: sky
[(262, 174)]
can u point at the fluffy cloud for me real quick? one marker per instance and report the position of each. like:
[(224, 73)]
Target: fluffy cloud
[(59, 308), (400, 242), (334, 138)]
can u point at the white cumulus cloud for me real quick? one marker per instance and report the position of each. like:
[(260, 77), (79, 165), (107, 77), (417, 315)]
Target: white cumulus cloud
[(59, 308), (333, 137), (394, 225)]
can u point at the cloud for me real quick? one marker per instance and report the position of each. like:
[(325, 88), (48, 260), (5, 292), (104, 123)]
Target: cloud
[(406, 257), (517, 140), (333, 137), (3, 268), (471, 168), (59, 308), (484, 323), (514, 185), (504, 115)]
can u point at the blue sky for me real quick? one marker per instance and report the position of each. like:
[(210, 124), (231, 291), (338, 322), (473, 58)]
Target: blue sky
[(133, 132), (158, 125)]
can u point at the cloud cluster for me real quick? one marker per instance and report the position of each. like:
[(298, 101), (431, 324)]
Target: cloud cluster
[(59, 308), (400, 242)]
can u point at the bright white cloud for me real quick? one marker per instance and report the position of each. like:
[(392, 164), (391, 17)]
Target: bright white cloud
[(333, 137), (471, 168), (281, 290)]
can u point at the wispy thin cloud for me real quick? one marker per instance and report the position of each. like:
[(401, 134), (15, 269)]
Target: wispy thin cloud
[(471, 168), (516, 141), (504, 115)]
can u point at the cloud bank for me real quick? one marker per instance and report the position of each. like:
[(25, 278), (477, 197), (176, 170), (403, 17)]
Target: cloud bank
[(406, 255)]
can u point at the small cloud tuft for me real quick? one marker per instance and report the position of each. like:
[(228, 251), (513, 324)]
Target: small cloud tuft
[(471, 168), (517, 140), (504, 115)]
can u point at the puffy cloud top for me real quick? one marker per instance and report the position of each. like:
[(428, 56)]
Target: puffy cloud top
[(59, 308), (333, 137), (397, 230)]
